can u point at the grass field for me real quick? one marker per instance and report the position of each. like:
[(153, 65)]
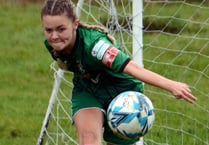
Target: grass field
[(26, 80)]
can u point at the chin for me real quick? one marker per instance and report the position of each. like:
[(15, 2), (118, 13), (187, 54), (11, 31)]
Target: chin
[(58, 48)]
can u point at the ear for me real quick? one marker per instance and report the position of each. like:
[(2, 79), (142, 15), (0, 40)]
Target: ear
[(75, 24)]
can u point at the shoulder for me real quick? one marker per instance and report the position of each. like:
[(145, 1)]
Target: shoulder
[(91, 34), (92, 39)]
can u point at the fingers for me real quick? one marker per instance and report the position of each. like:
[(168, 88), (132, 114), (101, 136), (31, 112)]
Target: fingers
[(189, 97), (186, 95)]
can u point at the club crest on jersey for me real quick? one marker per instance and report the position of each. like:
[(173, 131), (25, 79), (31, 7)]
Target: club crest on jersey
[(110, 56), (99, 49)]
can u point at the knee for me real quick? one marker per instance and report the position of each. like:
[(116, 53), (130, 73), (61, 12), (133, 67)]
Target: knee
[(89, 137)]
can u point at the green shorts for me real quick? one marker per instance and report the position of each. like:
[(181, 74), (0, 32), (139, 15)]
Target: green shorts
[(84, 100)]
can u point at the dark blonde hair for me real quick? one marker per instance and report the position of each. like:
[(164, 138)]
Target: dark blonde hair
[(59, 7), (67, 7)]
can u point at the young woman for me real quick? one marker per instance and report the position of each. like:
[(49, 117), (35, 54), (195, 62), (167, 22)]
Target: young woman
[(101, 71)]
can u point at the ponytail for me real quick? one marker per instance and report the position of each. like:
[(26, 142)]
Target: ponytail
[(99, 28)]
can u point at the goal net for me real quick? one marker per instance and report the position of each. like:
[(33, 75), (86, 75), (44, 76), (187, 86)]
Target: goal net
[(175, 43)]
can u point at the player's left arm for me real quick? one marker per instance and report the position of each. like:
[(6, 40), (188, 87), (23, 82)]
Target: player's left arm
[(178, 89)]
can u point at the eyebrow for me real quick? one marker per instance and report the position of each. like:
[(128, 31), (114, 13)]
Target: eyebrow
[(56, 27)]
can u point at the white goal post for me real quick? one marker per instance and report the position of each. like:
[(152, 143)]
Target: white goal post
[(169, 37)]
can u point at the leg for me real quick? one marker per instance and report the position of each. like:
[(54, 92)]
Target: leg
[(89, 123)]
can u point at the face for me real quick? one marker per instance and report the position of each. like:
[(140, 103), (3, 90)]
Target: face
[(60, 32)]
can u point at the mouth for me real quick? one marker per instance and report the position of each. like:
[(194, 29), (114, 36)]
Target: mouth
[(57, 45), (56, 42)]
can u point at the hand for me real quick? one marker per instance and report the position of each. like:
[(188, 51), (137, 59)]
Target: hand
[(182, 91)]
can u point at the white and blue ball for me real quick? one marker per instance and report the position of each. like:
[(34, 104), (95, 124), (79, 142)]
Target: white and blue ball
[(130, 115)]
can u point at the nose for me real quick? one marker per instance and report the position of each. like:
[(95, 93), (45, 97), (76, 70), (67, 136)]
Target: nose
[(54, 35)]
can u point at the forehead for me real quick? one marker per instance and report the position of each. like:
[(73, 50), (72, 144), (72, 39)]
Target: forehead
[(54, 21)]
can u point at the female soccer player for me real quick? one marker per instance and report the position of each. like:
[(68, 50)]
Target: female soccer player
[(101, 71)]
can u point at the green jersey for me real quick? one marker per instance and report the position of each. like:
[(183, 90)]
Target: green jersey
[(97, 65)]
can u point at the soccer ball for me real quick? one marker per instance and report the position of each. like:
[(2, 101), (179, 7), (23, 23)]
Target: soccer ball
[(130, 115)]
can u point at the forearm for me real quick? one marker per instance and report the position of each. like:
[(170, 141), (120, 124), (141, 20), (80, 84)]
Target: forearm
[(147, 76), (178, 89)]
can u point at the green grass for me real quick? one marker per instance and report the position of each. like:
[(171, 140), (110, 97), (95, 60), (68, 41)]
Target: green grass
[(26, 81)]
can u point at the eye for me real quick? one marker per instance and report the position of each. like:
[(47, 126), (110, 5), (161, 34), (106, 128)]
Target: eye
[(60, 30), (48, 30)]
